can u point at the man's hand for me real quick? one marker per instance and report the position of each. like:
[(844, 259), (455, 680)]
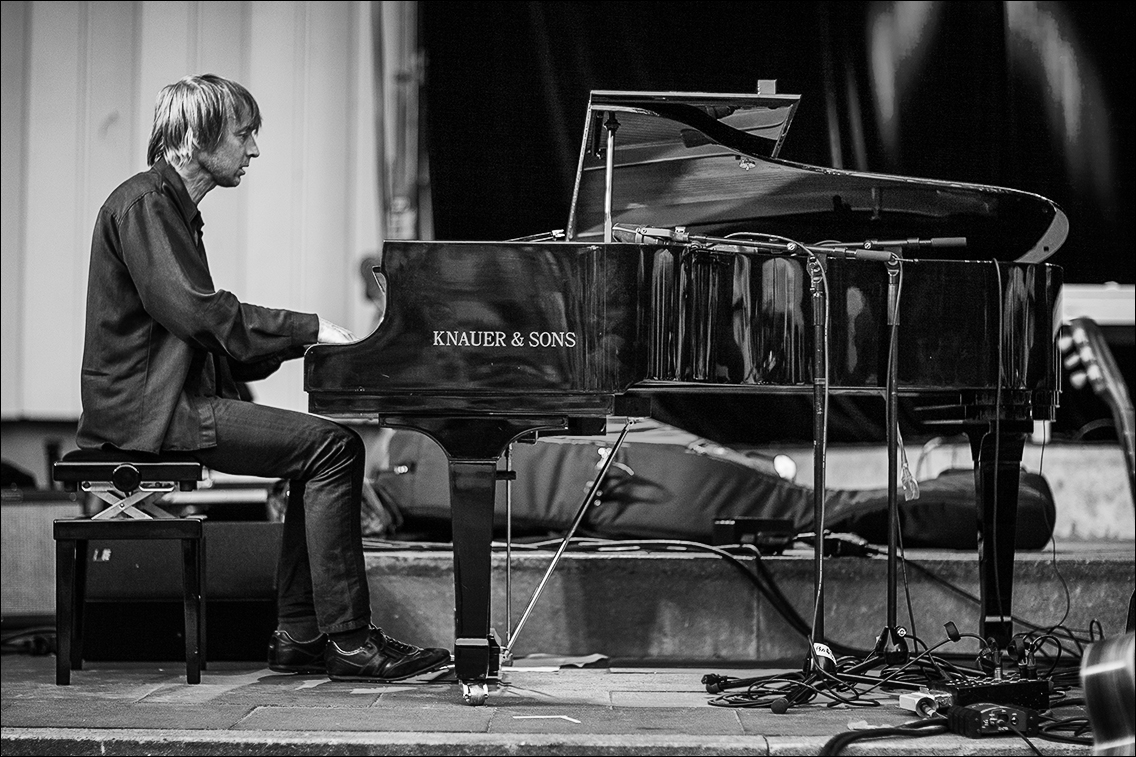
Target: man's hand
[(331, 333)]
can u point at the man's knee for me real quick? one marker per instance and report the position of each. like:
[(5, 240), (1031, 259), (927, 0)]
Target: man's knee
[(345, 443), (355, 445)]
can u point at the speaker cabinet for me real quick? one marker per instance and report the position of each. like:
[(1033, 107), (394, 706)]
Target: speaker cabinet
[(134, 596), (27, 588)]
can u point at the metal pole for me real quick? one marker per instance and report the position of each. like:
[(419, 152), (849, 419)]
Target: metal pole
[(571, 531), (508, 553), (893, 446), (820, 409), (611, 125)]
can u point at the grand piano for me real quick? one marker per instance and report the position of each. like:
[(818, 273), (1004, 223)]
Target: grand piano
[(694, 259)]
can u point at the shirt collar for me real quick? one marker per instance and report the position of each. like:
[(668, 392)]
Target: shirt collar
[(185, 203)]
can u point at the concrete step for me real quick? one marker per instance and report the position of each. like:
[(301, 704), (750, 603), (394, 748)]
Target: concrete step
[(682, 604)]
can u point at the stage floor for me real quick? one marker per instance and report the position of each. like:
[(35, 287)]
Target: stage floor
[(245, 709)]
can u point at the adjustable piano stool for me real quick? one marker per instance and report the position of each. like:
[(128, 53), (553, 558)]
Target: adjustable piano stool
[(127, 481)]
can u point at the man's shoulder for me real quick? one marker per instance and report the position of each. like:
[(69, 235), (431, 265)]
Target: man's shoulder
[(129, 192)]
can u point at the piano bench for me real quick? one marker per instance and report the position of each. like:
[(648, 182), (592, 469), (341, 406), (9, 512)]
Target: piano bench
[(125, 480)]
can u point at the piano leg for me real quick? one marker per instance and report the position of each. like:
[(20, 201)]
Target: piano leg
[(473, 445), (476, 654), (997, 452)]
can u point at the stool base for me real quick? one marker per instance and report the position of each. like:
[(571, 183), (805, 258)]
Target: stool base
[(71, 546)]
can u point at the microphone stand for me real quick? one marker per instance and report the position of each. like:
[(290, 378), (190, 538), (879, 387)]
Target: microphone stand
[(891, 646), (820, 425), (820, 664)]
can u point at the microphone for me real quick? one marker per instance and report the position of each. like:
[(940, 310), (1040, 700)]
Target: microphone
[(883, 250), (913, 243), (649, 234), (854, 253), (795, 695), (716, 684)]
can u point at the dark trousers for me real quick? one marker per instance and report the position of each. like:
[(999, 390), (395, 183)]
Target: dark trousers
[(321, 573)]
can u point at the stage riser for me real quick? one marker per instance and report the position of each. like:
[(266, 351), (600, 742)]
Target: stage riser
[(683, 608), (701, 609)]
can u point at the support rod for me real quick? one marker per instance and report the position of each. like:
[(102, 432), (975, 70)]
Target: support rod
[(508, 651)]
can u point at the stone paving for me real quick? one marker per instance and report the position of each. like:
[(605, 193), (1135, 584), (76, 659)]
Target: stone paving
[(245, 709)]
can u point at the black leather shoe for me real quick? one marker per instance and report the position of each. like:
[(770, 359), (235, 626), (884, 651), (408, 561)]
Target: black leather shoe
[(286, 655), (383, 659)]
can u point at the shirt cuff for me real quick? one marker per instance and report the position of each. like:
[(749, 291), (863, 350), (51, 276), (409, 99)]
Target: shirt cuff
[(305, 328)]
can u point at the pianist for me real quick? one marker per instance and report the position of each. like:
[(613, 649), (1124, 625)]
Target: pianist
[(164, 350)]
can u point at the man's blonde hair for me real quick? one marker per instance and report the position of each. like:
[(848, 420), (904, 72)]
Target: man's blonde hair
[(192, 114)]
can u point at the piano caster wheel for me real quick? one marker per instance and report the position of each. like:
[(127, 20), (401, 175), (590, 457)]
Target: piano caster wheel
[(475, 694)]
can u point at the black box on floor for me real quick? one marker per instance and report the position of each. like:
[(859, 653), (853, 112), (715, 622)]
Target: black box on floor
[(1031, 693), (770, 535), (149, 631), (134, 595)]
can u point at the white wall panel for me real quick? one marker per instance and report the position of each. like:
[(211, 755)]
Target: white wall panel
[(318, 273), (107, 118), (111, 102), (363, 168), (324, 252), (222, 50), (167, 46), (15, 17), (278, 78), (55, 194), (300, 222)]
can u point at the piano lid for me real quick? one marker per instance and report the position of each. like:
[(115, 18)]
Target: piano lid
[(709, 162)]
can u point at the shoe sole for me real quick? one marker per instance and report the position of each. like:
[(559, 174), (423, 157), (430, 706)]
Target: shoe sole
[(296, 669), (423, 676)]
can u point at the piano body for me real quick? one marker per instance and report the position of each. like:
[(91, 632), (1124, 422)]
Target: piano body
[(696, 260)]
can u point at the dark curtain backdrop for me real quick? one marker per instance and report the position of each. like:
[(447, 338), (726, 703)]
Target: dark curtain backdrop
[(507, 86)]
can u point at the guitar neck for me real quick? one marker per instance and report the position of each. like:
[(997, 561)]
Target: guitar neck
[(1091, 353)]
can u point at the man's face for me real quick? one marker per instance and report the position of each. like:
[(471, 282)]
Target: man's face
[(226, 163)]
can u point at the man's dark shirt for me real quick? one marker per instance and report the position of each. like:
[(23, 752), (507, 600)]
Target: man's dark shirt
[(160, 339)]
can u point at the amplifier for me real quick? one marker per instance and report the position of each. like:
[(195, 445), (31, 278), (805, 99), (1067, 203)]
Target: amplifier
[(27, 588)]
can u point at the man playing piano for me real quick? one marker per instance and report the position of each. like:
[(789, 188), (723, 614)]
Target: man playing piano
[(164, 350)]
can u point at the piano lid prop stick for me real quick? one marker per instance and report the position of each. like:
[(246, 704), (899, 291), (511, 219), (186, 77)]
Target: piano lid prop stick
[(611, 125), (507, 652)]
